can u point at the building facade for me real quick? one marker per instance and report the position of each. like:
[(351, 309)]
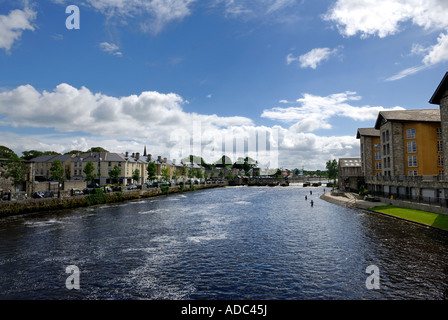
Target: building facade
[(370, 147)]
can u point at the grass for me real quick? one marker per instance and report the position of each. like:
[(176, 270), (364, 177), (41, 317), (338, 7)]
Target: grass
[(427, 218)]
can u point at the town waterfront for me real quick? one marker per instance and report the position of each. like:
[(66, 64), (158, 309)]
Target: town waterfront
[(228, 243)]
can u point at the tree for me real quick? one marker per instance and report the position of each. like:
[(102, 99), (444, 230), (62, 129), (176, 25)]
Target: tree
[(165, 174), (6, 153), (114, 174), (88, 170), (57, 171), (97, 149), (278, 173), (332, 167), (136, 175), (14, 170), (152, 171)]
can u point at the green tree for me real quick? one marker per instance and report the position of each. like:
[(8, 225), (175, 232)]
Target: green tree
[(136, 175), (97, 149), (57, 171), (278, 173), (14, 170), (6, 153), (332, 167), (152, 171), (165, 173), (114, 174), (88, 170)]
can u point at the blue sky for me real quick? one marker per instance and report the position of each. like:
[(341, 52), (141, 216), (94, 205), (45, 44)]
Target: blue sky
[(182, 76)]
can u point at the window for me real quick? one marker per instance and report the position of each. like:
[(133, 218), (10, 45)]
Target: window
[(388, 149), (110, 164), (412, 147), (378, 165), (440, 160), (439, 132), (377, 155), (440, 172), (377, 146), (413, 173), (410, 134), (384, 137), (439, 146), (412, 161), (387, 135)]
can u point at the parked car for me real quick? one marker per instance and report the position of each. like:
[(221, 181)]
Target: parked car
[(37, 195), (77, 192), (116, 188), (48, 194), (132, 187)]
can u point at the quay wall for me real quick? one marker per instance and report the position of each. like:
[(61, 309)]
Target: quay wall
[(30, 205)]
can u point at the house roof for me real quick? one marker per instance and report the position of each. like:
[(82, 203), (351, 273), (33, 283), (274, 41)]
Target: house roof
[(418, 115), (52, 157), (370, 132), (441, 91)]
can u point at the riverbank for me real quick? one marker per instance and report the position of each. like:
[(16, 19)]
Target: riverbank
[(420, 217), (13, 208)]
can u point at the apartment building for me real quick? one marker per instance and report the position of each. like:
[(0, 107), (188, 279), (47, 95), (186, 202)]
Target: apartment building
[(370, 146), (440, 97), (41, 166), (105, 162), (411, 142)]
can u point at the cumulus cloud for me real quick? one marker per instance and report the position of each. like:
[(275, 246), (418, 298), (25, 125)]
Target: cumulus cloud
[(383, 17), (313, 58), (13, 25), (387, 17), (315, 112), (80, 119)]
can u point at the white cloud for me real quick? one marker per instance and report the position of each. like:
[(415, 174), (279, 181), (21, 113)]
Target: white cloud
[(111, 48), (13, 25), (80, 119), (383, 17), (315, 112), (249, 9), (157, 14), (316, 56), (439, 52), (406, 72)]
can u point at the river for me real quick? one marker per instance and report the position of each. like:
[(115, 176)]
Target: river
[(234, 243)]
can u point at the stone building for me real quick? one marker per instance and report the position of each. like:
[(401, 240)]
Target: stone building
[(440, 97), (410, 142), (370, 147), (349, 174)]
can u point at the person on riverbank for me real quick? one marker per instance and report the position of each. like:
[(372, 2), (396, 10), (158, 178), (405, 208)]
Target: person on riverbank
[(312, 203), (306, 198)]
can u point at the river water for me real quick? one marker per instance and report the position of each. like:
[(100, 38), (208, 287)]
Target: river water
[(260, 243)]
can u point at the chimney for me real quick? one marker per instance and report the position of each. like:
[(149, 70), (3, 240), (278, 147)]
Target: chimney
[(133, 155), (137, 155), (165, 160), (149, 157), (159, 159), (127, 154), (174, 161)]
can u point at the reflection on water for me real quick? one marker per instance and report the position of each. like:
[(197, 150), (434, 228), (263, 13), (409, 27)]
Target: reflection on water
[(227, 243)]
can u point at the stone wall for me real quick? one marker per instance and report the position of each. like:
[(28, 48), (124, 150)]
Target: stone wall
[(444, 120)]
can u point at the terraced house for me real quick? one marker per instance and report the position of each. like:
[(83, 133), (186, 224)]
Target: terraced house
[(105, 162)]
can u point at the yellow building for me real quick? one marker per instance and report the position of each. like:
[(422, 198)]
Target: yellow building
[(410, 142)]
